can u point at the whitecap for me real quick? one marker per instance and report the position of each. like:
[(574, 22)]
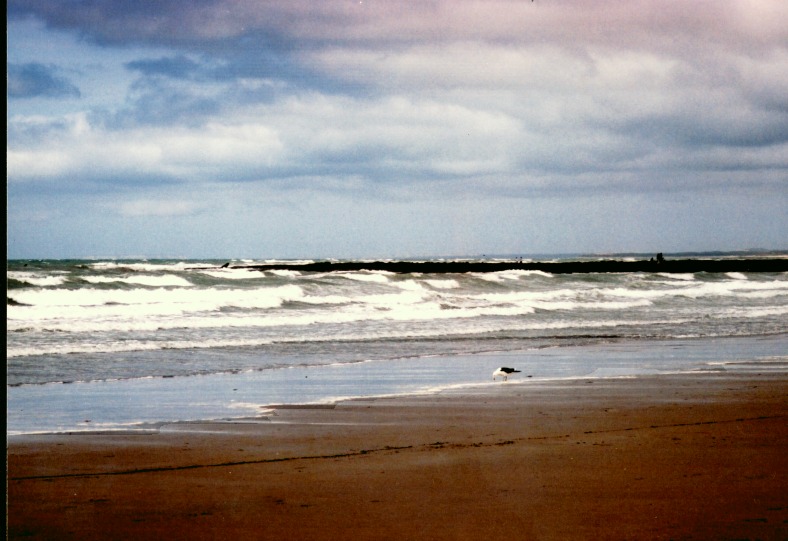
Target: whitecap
[(687, 277), (443, 284), (285, 273), (380, 277), (232, 274), (157, 281), (38, 280)]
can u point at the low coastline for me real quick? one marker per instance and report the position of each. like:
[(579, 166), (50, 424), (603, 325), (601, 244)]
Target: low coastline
[(699, 455)]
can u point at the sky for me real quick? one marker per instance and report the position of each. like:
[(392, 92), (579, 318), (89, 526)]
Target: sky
[(390, 128)]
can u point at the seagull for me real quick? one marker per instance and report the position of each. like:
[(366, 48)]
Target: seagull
[(504, 371)]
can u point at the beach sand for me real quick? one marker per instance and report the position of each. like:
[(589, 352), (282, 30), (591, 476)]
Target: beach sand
[(694, 456)]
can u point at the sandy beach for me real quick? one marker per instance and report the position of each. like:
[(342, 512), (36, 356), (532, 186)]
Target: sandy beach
[(693, 456)]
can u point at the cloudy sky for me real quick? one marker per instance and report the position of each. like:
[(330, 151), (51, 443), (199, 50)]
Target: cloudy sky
[(392, 128)]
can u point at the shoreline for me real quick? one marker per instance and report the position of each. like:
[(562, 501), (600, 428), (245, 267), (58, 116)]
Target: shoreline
[(138, 404), (666, 456)]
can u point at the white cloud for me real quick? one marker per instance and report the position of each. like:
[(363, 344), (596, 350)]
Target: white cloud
[(187, 154), (421, 113), (397, 133)]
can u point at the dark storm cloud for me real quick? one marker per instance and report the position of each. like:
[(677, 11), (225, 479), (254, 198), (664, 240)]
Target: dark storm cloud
[(155, 102), (156, 22), (178, 67), (33, 80), (668, 25)]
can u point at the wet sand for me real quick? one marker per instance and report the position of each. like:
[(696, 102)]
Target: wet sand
[(699, 456)]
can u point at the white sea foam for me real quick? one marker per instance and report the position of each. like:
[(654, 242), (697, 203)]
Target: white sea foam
[(108, 346), (730, 288), (158, 281), (35, 279), (285, 272), (380, 277), (143, 280), (514, 274), (255, 407), (102, 279), (196, 299), (144, 266), (147, 310), (233, 274), (411, 285), (534, 273), (677, 276), (594, 305), (142, 310), (443, 284)]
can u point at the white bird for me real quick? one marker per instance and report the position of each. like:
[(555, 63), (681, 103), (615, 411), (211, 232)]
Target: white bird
[(504, 371)]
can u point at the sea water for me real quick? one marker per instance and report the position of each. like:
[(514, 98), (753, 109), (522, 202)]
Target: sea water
[(116, 344)]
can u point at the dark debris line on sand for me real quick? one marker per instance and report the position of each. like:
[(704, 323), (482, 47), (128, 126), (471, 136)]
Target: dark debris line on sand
[(384, 449)]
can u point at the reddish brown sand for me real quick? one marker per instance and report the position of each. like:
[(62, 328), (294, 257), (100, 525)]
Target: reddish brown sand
[(669, 457)]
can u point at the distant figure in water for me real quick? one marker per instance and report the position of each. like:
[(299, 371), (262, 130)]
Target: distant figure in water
[(226, 265), (660, 259), (504, 371)]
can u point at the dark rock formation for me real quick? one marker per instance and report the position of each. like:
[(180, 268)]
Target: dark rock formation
[(773, 265)]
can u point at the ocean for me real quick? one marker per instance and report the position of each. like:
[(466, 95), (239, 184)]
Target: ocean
[(130, 344)]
